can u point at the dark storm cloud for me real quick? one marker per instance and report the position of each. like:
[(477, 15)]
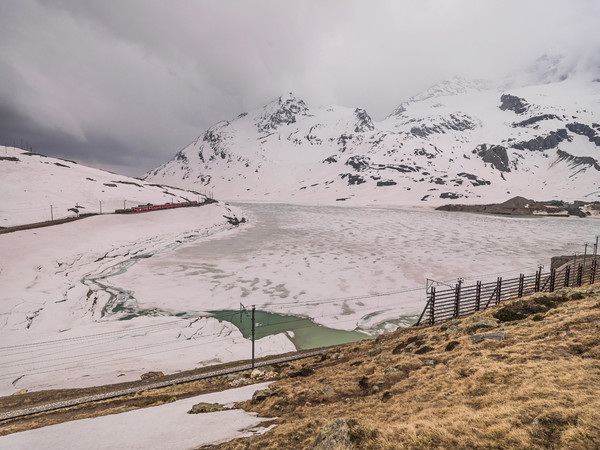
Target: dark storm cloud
[(125, 84)]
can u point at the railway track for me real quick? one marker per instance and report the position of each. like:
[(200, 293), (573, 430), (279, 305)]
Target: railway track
[(18, 413)]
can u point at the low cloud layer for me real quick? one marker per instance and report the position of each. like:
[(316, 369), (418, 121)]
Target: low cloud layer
[(123, 85)]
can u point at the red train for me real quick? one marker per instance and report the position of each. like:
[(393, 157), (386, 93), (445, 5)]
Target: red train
[(150, 207)]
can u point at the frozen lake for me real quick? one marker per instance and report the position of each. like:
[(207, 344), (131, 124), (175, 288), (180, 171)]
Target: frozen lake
[(344, 267), (109, 298)]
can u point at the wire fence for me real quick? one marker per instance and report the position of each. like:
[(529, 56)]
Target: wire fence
[(462, 300)]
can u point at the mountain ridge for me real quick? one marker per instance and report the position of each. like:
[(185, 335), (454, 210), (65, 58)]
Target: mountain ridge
[(460, 139)]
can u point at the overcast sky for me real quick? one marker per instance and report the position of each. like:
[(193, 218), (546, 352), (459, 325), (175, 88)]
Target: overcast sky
[(125, 84)]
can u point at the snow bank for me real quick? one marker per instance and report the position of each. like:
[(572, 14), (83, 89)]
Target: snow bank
[(160, 427)]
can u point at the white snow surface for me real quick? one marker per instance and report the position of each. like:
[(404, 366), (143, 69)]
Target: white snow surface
[(56, 325), (37, 188), (427, 152), (160, 427)]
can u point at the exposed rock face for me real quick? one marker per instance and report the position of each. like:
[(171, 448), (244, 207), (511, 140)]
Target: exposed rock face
[(450, 195), (535, 119), (513, 103), (363, 121), (474, 179), (578, 160), (454, 122), (286, 113), (353, 179), (359, 162), (584, 130), (544, 142), (495, 155), (180, 156)]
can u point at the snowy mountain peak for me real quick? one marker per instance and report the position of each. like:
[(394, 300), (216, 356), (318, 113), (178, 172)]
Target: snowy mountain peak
[(363, 121), (459, 140), (451, 87), (281, 111)]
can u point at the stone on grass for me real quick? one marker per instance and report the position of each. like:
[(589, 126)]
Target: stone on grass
[(498, 336), (335, 435), (482, 323)]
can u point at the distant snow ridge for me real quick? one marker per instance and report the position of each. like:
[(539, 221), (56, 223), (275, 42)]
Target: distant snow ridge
[(460, 140), (37, 188)]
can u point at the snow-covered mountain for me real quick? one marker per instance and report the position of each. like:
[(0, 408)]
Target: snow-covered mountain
[(467, 141), (37, 188)]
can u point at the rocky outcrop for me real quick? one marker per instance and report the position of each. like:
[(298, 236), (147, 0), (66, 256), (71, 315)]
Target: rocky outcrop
[(495, 155), (541, 143), (474, 179), (513, 103), (353, 179), (359, 162), (534, 120), (285, 113), (363, 121), (453, 122), (584, 130), (575, 161)]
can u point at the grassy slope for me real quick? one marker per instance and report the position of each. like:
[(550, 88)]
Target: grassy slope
[(539, 387)]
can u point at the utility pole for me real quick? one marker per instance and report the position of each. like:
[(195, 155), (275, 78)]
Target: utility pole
[(51, 214), (100, 206), (245, 311)]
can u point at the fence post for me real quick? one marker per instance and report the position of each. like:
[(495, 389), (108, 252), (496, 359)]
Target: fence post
[(498, 290), (521, 284), (567, 275), (593, 271), (552, 279), (538, 279), (432, 306), (457, 298), (478, 296), (579, 274)]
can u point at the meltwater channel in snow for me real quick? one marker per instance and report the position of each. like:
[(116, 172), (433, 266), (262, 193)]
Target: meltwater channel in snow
[(344, 268)]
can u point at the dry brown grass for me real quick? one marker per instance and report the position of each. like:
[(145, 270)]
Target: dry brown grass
[(537, 388)]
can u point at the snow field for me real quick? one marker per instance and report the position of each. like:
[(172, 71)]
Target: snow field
[(53, 328), (159, 427)]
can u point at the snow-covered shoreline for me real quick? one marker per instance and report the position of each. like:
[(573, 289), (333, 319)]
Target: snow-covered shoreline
[(51, 320)]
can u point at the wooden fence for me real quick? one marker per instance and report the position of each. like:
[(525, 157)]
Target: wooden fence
[(464, 300)]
